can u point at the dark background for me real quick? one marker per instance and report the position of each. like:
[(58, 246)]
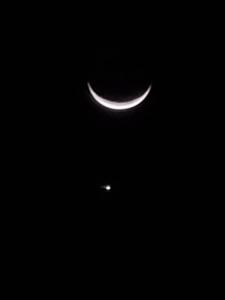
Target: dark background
[(74, 146), (63, 147), (80, 146)]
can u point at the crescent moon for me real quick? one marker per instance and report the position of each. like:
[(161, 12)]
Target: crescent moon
[(118, 105)]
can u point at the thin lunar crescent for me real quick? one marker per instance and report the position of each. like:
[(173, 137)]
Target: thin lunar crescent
[(118, 105)]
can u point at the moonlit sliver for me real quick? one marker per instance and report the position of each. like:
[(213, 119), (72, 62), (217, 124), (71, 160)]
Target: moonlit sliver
[(118, 105)]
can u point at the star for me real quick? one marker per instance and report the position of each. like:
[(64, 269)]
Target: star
[(106, 187)]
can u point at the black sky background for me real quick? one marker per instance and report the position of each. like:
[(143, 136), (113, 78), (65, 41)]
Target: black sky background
[(63, 146), (81, 146), (74, 146)]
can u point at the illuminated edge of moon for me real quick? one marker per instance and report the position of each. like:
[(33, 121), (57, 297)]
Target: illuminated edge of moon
[(118, 105)]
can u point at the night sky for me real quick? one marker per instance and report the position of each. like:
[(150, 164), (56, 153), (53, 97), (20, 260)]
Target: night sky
[(75, 147), (93, 179), (84, 146)]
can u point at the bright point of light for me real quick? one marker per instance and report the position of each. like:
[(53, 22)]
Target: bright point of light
[(108, 187)]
